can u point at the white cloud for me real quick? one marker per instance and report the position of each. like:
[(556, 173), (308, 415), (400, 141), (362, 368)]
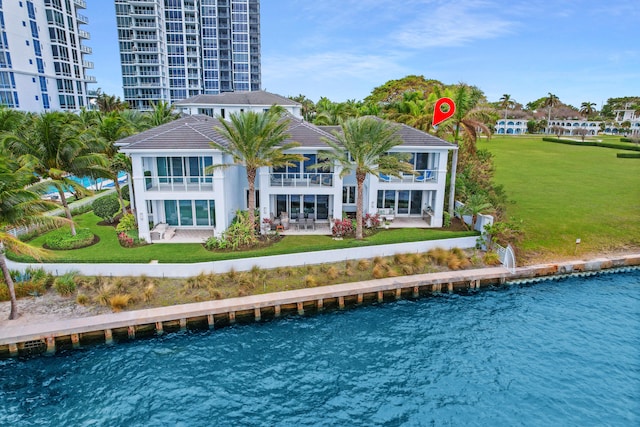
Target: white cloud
[(453, 24)]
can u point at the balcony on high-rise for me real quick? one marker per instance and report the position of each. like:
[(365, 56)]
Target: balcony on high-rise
[(80, 4), (82, 19), (85, 49), (84, 34)]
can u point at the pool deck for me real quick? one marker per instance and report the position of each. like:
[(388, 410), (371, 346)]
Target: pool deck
[(73, 333)]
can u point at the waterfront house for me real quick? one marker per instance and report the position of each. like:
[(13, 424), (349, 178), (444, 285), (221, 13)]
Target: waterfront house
[(174, 188)]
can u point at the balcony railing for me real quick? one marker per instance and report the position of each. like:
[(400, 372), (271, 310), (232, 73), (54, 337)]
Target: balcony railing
[(84, 34), (178, 183), (80, 4), (301, 180), (420, 176), (82, 19)]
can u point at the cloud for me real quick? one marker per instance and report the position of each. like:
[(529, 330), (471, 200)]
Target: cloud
[(453, 24)]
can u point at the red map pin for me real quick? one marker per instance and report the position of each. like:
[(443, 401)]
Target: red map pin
[(445, 107)]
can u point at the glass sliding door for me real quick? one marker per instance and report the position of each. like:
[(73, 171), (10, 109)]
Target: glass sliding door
[(416, 203), (186, 212), (171, 212), (202, 212), (403, 202)]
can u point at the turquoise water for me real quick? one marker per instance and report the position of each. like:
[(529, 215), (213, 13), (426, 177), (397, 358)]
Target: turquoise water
[(558, 353), (87, 181)]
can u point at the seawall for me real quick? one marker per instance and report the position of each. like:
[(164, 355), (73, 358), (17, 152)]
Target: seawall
[(116, 327)]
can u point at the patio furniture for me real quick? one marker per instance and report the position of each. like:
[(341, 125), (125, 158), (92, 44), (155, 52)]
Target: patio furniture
[(426, 176), (387, 214)]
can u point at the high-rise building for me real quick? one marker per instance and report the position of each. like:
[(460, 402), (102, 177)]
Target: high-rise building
[(171, 50), (42, 55)]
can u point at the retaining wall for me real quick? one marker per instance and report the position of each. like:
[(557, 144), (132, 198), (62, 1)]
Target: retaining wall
[(109, 328), (246, 264)]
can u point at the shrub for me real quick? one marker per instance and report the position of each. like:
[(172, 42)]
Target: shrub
[(125, 240), (148, 292), (491, 258), (61, 239), (342, 227), (127, 223), (379, 271), (23, 289), (106, 207), (332, 273), (371, 221), (65, 285), (126, 193), (628, 155), (239, 235), (119, 302), (82, 299), (363, 264), (310, 281)]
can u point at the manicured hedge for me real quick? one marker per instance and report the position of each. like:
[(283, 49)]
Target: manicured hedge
[(593, 144), (628, 155), (61, 239)]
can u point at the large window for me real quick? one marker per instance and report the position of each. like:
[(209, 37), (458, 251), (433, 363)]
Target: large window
[(403, 202), (297, 205), (179, 169), (190, 213)]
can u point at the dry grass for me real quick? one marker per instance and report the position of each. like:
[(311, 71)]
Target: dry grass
[(143, 292)]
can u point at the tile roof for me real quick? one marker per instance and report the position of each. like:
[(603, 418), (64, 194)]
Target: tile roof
[(411, 137), (195, 132), (239, 98)]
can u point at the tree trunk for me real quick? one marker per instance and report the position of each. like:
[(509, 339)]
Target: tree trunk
[(116, 184), (251, 177), (360, 206), (67, 211), (12, 291)]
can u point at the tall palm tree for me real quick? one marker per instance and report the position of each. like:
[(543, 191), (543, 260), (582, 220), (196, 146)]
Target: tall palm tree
[(362, 148), (109, 129), (550, 102), (588, 108), (506, 102), (55, 148), (470, 117), (413, 110), (19, 206), (255, 140), (162, 113)]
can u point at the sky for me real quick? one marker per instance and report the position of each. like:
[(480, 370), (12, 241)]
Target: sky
[(579, 50)]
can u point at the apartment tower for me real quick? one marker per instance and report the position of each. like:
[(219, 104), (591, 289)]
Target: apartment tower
[(171, 50), (43, 56)]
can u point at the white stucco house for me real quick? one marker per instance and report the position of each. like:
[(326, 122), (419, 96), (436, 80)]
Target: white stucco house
[(172, 185)]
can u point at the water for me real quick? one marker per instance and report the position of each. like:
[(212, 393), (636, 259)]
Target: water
[(86, 182), (557, 353)]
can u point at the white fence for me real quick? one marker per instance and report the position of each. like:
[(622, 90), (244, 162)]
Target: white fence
[(245, 264)]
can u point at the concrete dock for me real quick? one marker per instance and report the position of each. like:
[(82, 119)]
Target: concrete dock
[(50, 337)]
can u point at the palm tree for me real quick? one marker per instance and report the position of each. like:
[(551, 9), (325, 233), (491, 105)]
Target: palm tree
[(108, 103), (469, 119), (256, 140), (55, 148), (587, 108), (474, 205), (362, 148), (506, 102), (109, 129), (550, 102), (19, 206), (412, 110), (162, 113)]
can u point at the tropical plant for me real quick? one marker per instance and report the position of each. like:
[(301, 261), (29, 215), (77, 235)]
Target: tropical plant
[(550, 102), (106, 207), (558, 130), (19, 207), (108, 103), (581, 132), (474, 205), (412, 110), (506, 102), (362, 147), (54, 148), (255, 140), (588, 108), (161, 113)]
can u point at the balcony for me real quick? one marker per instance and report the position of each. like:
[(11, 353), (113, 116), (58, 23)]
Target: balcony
[(82, 19), (85, 49), (80, 4), (420, 176), (84, 34), (305, 180), (87, 64), (179, 183), (90, 79)]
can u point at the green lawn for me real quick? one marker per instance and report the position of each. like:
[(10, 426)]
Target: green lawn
[(109, 249), (565, 192)]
